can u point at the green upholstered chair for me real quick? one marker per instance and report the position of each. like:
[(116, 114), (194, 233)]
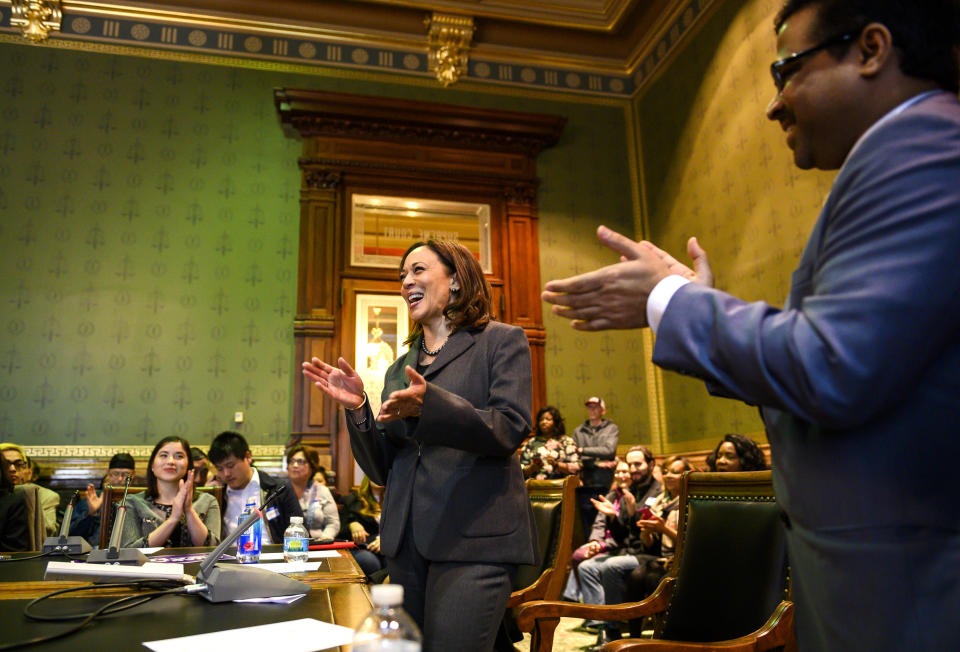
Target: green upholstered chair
[(727, 587), (554, 512)]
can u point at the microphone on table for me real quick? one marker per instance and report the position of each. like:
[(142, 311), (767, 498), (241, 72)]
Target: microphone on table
[(227, 582), (114, 554), (62, 543)]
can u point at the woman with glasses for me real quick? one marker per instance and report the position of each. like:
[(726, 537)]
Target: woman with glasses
[(319, 509)]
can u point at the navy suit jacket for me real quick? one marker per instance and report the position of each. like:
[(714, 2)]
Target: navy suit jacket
[(453, 472), (858, 379), (860, 373)]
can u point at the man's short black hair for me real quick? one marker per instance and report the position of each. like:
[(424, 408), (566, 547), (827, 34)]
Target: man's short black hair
[(226, 444), (926, 33)]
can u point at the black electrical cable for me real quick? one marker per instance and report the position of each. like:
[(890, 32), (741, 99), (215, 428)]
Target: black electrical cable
[(109, 608), (42, 554)]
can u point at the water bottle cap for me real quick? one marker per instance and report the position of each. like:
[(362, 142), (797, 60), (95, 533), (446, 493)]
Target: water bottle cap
[(296, 520), (386, 595)]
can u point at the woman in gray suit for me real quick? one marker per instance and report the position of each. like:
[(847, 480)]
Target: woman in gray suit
[(456, 517)]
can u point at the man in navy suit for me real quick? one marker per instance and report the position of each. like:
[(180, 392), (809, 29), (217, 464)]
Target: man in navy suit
[(858, 376)]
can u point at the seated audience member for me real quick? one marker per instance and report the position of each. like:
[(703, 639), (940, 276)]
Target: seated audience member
[(737, 453), (320, 515), (549, 453), (662, 524), (600, 538), (603, 577), (231, 456), (34, 470), (360, 522), (200, 469), (168, 513), (86, 514), (49, 499), (330, 480), (14, 535)]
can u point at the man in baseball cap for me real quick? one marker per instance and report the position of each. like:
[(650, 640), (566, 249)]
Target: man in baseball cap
[(596, 440)]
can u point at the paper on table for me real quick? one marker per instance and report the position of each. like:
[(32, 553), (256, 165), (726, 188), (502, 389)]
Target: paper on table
[(302, 635), (150, 551), (314, 554), (277, 599), (290, 567)]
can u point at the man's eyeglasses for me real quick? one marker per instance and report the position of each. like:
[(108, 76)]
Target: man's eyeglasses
[(777, 67), (296, 462), (17, 464)]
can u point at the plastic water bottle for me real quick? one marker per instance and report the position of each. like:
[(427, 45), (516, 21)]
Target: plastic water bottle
[(387, 628), (296, 540), (248, 545), (314, 515)]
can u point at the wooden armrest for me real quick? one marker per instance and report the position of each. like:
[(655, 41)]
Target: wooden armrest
[(657, 602), (533, 592), (776, 632)]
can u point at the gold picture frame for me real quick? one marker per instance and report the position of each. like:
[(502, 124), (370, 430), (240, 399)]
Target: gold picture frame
[(383, 227)]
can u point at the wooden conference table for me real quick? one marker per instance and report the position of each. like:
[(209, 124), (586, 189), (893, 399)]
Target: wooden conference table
[(338, 595)]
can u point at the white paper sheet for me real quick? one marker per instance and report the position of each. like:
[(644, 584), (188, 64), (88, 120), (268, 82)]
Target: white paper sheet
[(314, 554), (292, 567), (150, 551), (277, 599), (304, 635)]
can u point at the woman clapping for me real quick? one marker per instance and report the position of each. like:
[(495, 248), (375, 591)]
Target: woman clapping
[(166, 514), (456, 517)]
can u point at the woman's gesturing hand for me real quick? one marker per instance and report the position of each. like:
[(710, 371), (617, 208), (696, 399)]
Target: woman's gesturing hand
[(341, 383), (407, 402)]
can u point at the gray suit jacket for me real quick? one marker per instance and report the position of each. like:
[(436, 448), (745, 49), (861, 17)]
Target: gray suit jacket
[(454, 471)]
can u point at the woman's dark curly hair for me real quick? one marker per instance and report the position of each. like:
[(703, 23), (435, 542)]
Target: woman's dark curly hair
[(751, 457), (558, 427)]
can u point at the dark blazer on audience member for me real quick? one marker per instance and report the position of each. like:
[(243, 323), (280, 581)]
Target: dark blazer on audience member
[(14, 536), (456, 466), (287, 505), (859, 379)]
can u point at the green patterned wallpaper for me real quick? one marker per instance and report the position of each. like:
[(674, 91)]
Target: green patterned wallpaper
[(715, 167), (148, 247)]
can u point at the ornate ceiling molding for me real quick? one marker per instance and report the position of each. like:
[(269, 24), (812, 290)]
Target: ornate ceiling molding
[(36, 18), (208, 31), (448, 40)]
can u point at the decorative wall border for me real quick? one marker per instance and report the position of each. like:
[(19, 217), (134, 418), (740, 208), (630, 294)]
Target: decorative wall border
[(106, 452), (280, 43)]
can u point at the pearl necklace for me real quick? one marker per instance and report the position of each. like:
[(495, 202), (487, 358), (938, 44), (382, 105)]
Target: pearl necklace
[(423, 347)]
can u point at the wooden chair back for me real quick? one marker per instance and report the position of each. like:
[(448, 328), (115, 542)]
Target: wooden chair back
[(731, 559), (36, 532), (554, 511), (727, 587), (112, 496)]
